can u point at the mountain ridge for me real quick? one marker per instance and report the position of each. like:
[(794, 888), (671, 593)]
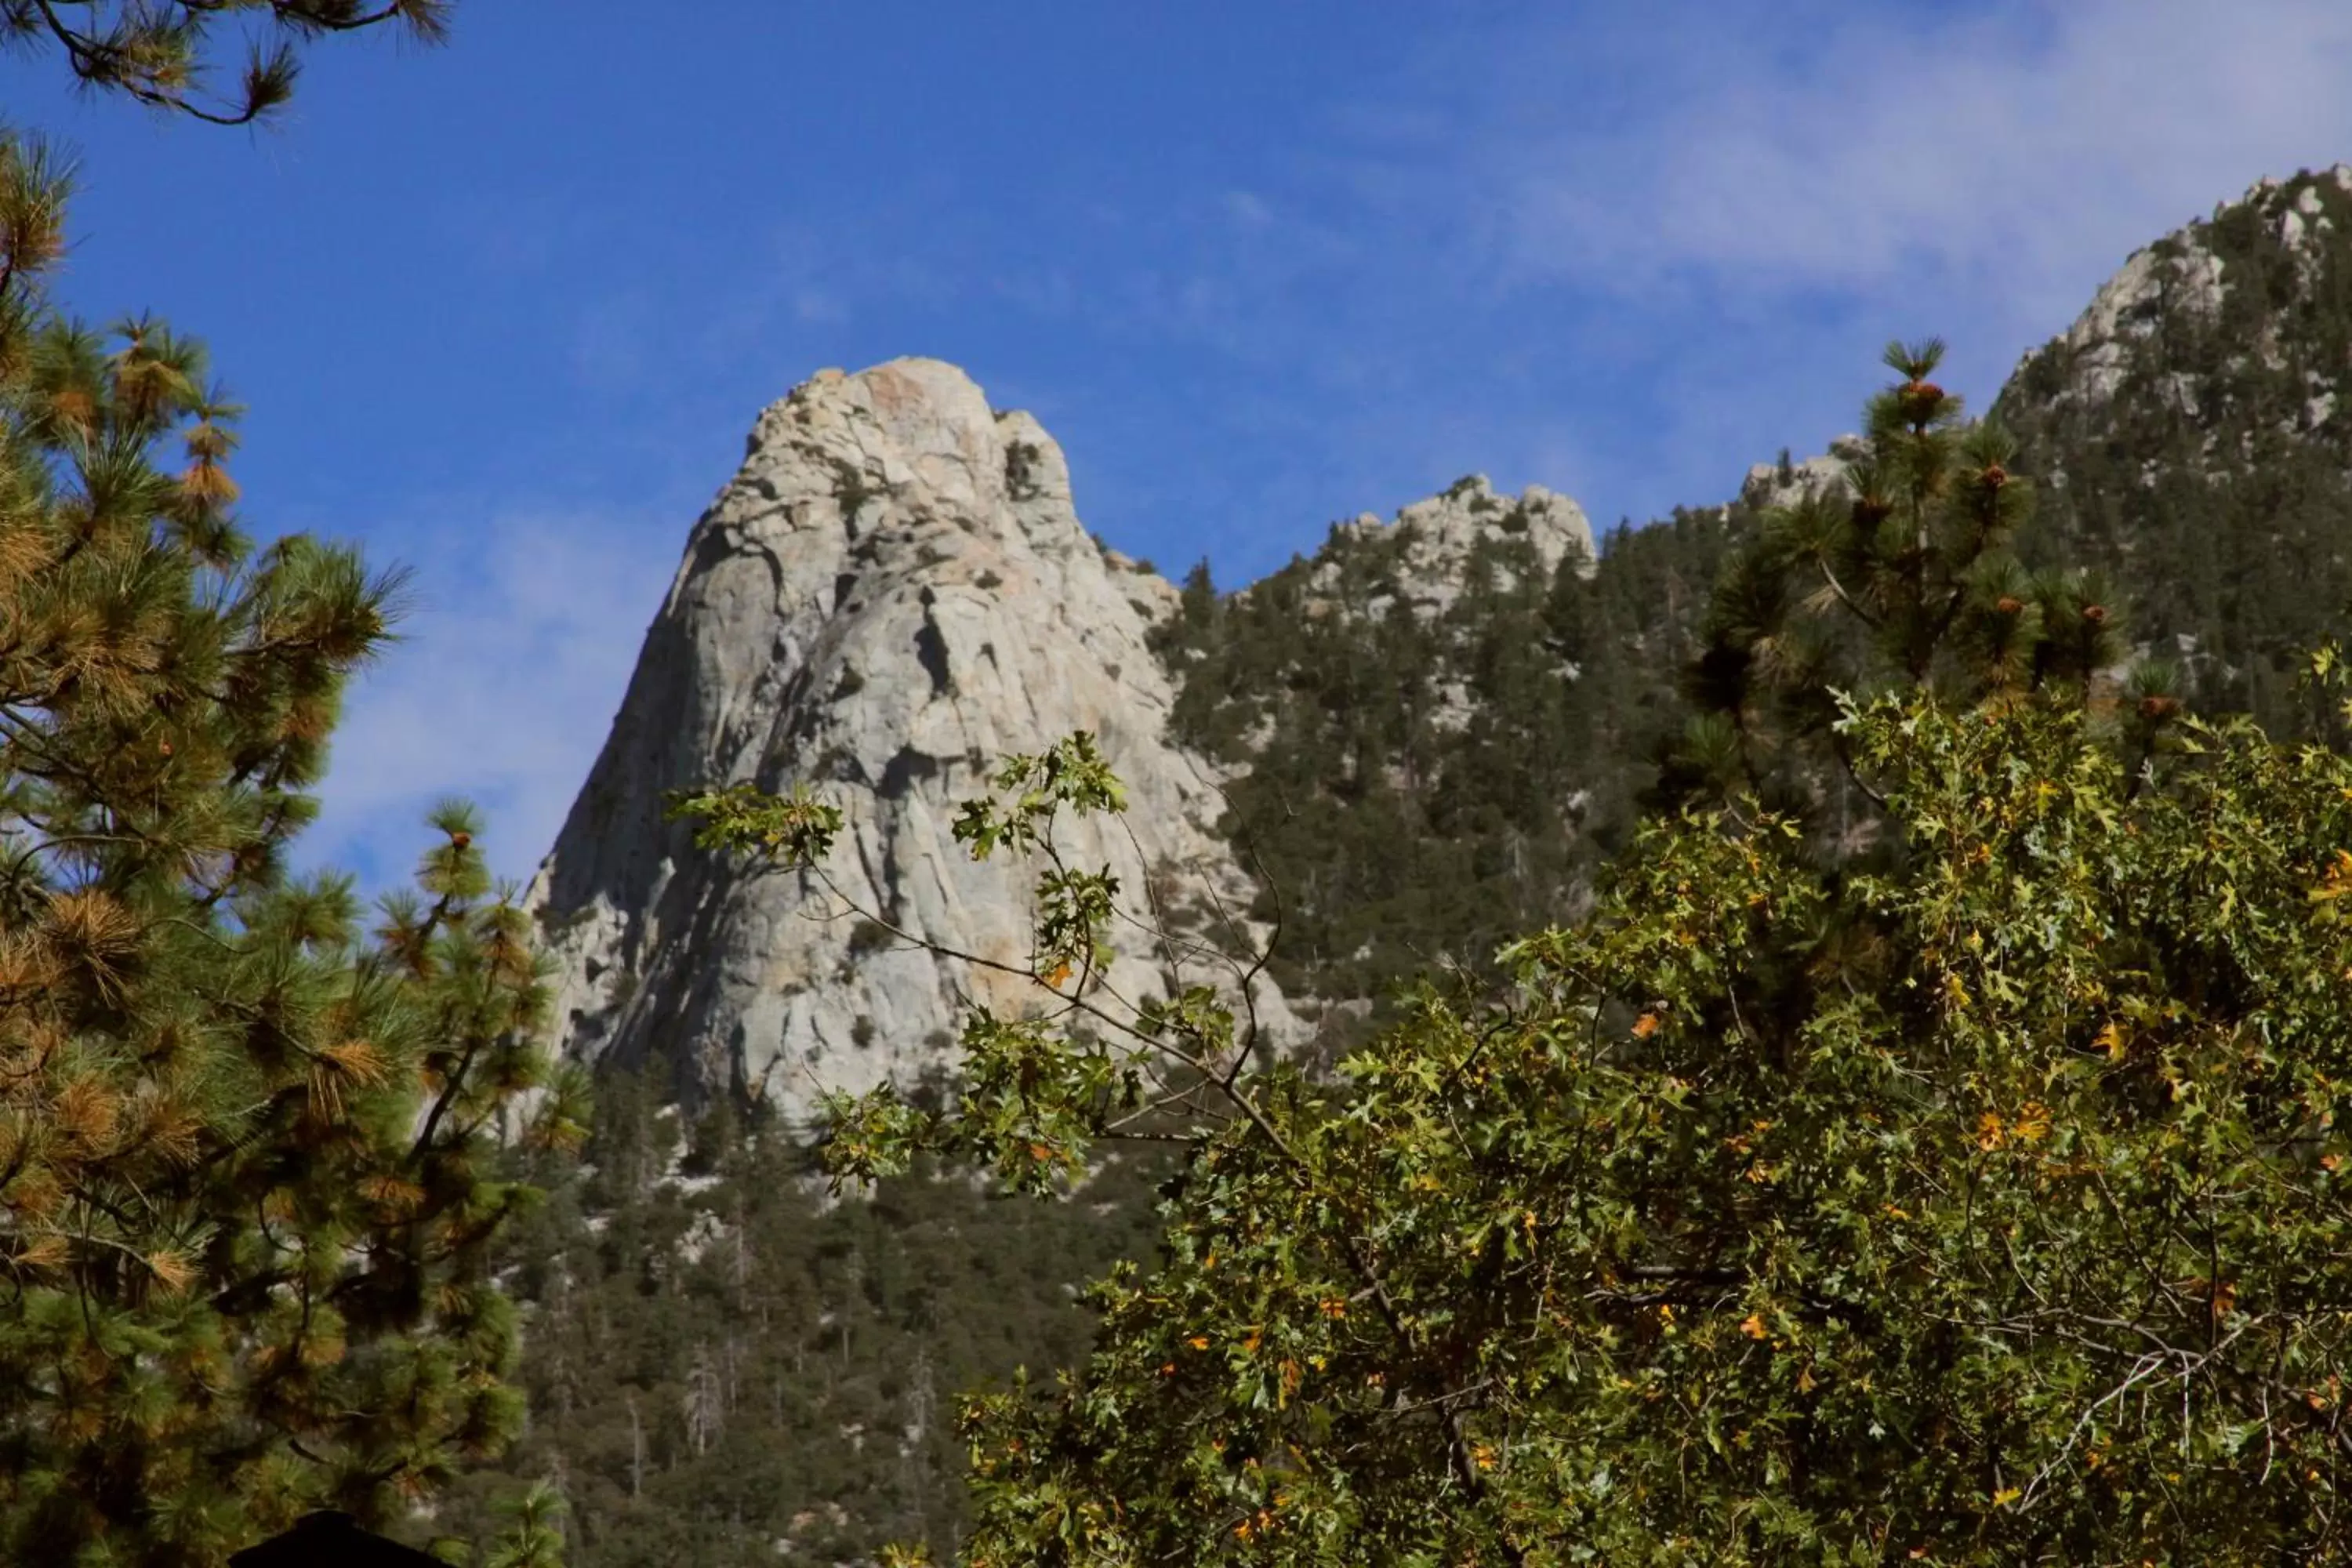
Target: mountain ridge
[(1420, 771)]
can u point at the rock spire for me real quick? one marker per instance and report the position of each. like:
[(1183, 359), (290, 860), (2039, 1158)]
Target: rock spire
[(892, 593)]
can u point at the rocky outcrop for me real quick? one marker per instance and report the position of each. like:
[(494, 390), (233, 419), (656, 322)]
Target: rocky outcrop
[(2190, 435), (2220, 300), (1772, 485), (1434, 541), (893, 593)]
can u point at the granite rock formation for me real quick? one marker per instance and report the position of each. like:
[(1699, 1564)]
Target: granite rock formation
[(893, 593)]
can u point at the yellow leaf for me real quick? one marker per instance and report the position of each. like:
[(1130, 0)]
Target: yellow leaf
[(1061, 972), (1645, 1025), (1752, 1326), (2006, 1496)]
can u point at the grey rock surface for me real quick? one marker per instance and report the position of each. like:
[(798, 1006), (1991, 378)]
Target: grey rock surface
[(1441, 532), (1765, 488), (893, 593)]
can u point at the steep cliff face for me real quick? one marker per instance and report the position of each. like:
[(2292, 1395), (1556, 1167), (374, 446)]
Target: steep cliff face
[(892, 593)]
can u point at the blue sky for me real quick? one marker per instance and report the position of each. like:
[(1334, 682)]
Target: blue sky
[(503, 311)]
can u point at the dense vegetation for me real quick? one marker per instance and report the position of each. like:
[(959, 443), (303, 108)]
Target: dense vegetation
[(1988, 1210), (1981, 1207), (245, 1200), (1400, 842), (2215, 479), (721, 1359)]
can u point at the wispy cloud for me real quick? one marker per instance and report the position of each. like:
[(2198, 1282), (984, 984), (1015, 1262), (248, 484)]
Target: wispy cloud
[(1653, 244), (511, 668), (2015, 154), (1624, 250)]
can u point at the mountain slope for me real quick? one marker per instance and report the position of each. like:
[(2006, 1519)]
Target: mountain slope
[(2193, 432), (1432, 735), (1438, 728)]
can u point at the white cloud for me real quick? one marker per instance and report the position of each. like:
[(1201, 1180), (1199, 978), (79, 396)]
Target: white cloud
[(2018, 153), (502, 689)]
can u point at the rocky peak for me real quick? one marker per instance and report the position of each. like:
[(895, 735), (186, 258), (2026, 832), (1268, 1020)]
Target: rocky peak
[(2191, 434), (892, 593), (1435, 540), (1768, 485), (2248, 272)]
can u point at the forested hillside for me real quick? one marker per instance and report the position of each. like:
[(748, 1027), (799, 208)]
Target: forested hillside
[(719, 1357), (1422, 786), (2194, 434), (727, 1368)]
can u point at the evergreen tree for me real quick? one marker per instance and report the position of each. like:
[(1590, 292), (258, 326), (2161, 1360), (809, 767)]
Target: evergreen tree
[(1903, 574), (163, 53), (245, 1189)]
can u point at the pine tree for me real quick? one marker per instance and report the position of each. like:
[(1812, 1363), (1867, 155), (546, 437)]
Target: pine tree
[(246, 1180), (1902, 574), (163, 53), (536, 1537)]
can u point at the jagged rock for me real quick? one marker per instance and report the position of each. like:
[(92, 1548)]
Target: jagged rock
[(2180, 278), (1438, 536), (1766, 487), (892, 593)]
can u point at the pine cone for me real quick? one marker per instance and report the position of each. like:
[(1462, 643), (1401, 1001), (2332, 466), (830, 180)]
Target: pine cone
[(2009, 604), (1919, 400), (2095, 614), (459, 840), (1995, 476), (1870, 511), (2154, 707)]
